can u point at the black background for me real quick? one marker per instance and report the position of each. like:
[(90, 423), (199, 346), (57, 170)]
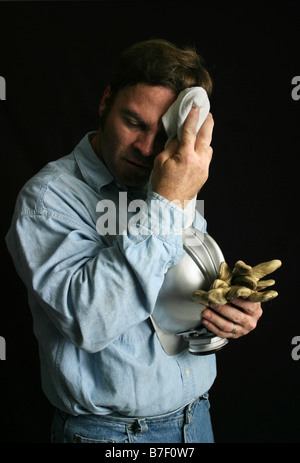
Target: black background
[(56, 58)]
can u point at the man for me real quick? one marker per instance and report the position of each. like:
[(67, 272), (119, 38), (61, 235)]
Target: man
[(91, 294)]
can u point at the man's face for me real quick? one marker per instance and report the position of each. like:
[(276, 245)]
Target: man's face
[(133, 133)]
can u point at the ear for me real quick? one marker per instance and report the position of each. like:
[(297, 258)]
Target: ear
[(104, 99)]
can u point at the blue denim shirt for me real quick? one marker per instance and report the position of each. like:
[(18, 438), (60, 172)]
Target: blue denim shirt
[(91, 294)]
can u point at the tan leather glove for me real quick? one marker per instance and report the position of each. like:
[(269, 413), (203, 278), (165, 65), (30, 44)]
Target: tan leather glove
[(243, 281)]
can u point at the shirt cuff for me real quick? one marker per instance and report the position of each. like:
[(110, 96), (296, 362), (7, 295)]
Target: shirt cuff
[(157, 216)]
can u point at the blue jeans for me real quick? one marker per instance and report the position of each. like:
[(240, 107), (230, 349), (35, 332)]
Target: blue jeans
[(189, 424)]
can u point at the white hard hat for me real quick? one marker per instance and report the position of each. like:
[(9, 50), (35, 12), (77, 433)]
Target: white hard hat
[(177, 319)]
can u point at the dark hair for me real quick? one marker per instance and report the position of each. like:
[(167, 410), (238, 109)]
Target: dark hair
[(158, 62)]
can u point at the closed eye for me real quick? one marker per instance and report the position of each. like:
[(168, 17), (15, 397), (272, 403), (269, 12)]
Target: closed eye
[(133, 119), (133, 123)]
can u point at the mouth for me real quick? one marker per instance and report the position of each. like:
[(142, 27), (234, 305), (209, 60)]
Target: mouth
[(137, 166)]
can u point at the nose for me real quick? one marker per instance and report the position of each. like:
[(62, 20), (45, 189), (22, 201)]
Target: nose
[(145, 144)]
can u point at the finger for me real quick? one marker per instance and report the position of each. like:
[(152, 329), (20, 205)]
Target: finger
[(228, 330), (224, 315), (169, 152), (249, 307), (204, 136), (189, 130)]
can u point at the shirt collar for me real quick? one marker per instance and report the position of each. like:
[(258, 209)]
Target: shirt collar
[(94, 172)]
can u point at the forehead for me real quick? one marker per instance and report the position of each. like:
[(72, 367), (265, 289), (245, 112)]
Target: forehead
[(149, 102)]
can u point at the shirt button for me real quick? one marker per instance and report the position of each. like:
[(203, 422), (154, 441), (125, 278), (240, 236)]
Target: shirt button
[(187, 372)]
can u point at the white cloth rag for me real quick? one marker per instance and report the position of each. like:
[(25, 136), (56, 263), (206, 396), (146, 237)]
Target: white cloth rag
[(177, 113), (173, 121)]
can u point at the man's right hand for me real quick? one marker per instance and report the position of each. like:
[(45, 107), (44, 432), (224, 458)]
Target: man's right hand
[(181, 170)]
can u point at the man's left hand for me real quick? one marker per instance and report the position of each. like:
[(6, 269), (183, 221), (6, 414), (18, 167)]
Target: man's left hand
[(232, 321)]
